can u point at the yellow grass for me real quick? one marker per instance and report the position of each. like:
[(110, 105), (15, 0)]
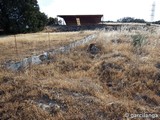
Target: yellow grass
[(24, 45), (120, 79)]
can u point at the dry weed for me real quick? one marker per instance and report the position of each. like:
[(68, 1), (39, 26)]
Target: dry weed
[(119, 79)]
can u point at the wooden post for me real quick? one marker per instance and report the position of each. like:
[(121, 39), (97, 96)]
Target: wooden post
[(49, 40)]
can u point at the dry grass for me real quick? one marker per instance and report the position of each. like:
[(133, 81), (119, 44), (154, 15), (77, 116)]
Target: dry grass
[(120, 79), (30, 44)]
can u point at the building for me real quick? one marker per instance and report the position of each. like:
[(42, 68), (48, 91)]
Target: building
[(73, 20)]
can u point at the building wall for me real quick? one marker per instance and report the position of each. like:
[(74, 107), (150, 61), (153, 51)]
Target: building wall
[(83, 19)]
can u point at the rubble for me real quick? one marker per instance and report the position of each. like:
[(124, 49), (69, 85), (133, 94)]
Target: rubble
[(93, 49), (52, 106)]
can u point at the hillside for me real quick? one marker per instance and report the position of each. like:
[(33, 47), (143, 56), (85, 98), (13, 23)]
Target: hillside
[(122, 76)]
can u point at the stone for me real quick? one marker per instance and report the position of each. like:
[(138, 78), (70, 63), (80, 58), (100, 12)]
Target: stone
[(93, 49), (25, 63), (15, 66), (158, 65), (55, 108), (35, 60), (43, 57)]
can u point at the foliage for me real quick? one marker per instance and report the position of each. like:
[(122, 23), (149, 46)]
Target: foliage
[(138, 40), (130, 19), (21, 16), (52, 21), (157, 22)]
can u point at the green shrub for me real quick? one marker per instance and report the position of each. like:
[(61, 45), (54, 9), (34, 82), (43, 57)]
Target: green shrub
[(138, 40)]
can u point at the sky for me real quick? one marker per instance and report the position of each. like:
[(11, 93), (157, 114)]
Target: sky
[(111, 9)]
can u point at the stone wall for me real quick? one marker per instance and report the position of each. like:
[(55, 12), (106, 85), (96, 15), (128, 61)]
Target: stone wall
[(38, 59)]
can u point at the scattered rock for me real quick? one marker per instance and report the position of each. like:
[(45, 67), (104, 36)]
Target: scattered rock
[(158, 65), (35, 60), (55, 108), (144, 59), (51, 106), (1, 92), (93, 49), (43, 57), (39, 59)]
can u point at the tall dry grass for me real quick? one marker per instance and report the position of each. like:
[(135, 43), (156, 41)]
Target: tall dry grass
[(120, 79), (17, 47)]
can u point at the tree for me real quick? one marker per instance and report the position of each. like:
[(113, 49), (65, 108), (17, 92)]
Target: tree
[(156, 22), (52, 21), (20, 16), (130, 19)]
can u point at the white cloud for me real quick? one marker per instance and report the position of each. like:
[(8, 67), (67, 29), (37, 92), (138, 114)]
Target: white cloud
[(112, 9)]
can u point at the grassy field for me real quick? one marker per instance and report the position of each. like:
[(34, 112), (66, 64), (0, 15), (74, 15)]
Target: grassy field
[(124, 77), (24, 45)]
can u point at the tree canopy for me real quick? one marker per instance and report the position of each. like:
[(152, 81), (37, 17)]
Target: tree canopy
[(21, 16), (52, 21), (130, 19), (156, 22)]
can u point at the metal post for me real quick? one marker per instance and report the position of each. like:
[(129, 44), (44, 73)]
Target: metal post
[(153, 11)]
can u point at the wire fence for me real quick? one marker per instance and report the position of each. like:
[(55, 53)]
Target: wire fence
[(25, 54)]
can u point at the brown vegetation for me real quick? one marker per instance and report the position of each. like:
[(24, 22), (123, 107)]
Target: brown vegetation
[(24, 45), (121, 78)]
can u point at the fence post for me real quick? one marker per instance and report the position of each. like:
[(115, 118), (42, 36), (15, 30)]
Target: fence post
[(15, 40), (49, 40)]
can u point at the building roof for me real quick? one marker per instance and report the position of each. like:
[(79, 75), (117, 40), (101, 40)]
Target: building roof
[(80, 15), (81, 19)]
